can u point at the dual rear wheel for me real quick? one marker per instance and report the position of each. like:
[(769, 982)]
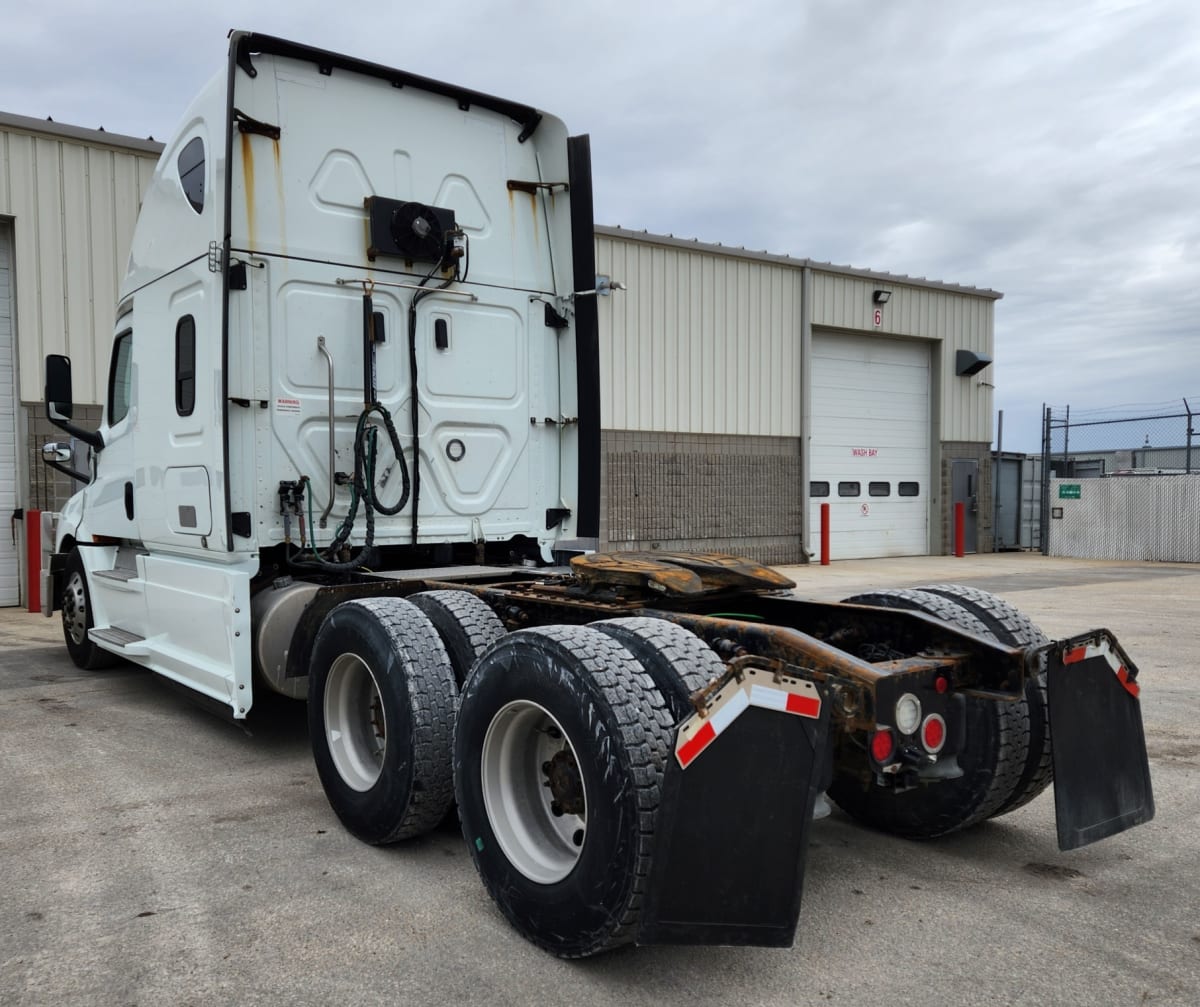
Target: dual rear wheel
[(554, 749), (1007, 759)]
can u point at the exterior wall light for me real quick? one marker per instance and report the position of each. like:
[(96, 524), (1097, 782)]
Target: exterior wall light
[(881, 296)]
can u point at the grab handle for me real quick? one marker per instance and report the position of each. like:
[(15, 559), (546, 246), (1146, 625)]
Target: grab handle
[(329, 364)]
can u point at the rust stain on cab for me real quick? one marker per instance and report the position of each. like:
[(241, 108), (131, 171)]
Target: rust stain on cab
[(248, 182)]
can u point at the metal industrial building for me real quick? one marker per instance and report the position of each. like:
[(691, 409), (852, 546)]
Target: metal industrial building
[(740, 390)]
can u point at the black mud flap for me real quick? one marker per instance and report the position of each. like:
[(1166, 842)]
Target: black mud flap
[(1101, 771), (732, 832)]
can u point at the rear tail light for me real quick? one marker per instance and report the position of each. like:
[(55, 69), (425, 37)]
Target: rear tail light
[(933, 733), (883, 744)]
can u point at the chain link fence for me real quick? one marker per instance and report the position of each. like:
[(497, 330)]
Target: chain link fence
[(1121, 486)]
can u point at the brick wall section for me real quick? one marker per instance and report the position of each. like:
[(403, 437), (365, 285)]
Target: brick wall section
[(701, 492), (49, 490), (983, 519)]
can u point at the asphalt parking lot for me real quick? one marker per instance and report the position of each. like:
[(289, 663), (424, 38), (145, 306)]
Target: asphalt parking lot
[(152, 854)]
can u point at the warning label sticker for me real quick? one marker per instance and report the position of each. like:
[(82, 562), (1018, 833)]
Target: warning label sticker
[(287, 406)]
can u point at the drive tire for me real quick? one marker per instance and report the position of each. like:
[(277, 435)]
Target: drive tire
[(572, 884), (466, 624), (997, 739), (678, 661), (77, 619), (379, 663), (1011, 626)]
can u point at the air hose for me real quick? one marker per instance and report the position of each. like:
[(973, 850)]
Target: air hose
[(362, 491)]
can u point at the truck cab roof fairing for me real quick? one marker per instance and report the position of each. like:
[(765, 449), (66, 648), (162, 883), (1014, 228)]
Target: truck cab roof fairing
[(243, 45)]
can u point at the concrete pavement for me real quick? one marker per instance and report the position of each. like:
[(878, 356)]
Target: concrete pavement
[(152, 854)]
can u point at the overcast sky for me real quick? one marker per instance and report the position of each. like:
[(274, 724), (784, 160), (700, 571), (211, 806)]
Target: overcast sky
[(1049, 150)]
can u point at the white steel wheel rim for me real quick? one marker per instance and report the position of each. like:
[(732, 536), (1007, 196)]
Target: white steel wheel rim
[(75, 608), (355, 724), (521, 740)]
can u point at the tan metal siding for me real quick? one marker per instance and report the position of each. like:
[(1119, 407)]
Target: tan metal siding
[(73, 206), (957, 321), (698, 343)]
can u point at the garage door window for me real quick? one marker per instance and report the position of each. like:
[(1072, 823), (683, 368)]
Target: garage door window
[(849, 489), (909, 489), (879, 489), (818, 489)]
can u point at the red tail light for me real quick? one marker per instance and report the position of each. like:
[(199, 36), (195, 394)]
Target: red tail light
[(933, 733), (882, 745)]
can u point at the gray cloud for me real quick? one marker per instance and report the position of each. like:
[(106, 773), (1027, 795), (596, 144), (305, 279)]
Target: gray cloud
[(1051, 151)]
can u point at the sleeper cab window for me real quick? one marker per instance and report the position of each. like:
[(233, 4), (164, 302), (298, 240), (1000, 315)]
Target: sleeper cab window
[(191, 172), (185, 366)]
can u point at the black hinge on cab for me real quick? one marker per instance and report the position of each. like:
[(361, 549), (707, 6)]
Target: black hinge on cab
[(241, 523), (553, 319), (237, 276), (556, 516), (247, 125)]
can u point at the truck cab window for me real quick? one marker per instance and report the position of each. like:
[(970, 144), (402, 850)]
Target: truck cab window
[(119, 375), (191, 172), (185, 366)]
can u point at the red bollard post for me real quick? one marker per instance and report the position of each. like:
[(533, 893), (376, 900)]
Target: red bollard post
[(960, 530), (824, 534), (33, 559)]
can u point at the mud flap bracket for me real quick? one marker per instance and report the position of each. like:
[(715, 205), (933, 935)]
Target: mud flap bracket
[(1101, 770), (733, 826)]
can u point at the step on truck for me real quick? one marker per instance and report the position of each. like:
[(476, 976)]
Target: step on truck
[(351, 453)]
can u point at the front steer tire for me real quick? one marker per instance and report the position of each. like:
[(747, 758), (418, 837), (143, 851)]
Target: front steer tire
[(992, 760), (568, 703), (77, 619), (381, 703)]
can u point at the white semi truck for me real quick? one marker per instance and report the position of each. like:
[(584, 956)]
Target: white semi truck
[(351, 430)]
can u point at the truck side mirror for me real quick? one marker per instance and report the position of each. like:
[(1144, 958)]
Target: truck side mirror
[(56, 451), (58, 387), (59, 403), (62, 458)]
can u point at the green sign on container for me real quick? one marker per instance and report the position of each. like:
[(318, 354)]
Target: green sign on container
[(1068, 491)]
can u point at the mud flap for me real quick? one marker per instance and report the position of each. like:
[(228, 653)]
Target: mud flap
[(1101, 770), (732, 833)]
